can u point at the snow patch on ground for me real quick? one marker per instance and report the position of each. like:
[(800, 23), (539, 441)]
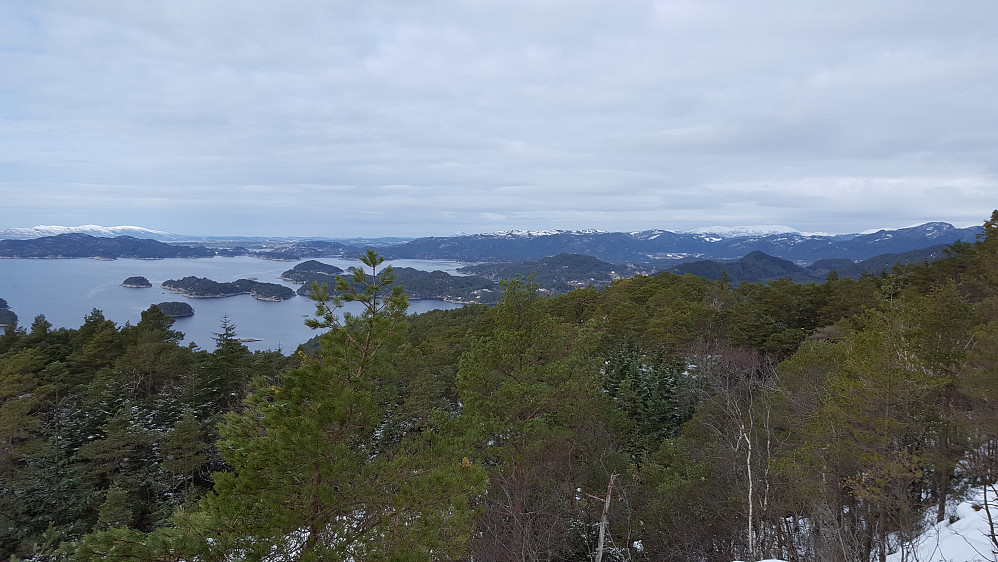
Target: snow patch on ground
[(966, 539)]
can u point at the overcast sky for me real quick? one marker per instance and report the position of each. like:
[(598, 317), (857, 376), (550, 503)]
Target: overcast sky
[(368, 118)]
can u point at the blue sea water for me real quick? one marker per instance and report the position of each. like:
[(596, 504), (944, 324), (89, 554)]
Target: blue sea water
[(66, 290)]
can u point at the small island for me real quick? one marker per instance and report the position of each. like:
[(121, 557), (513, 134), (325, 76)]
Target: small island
[(201, 287), (308, 271), (312, 271), (136, 282), (175, 309)]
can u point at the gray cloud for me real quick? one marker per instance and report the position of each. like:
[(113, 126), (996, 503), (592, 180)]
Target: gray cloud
[(340, 118)]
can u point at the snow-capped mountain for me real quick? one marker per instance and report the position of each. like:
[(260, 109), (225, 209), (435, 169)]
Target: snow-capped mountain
[(743, 231), (928, 230), (89, 229)]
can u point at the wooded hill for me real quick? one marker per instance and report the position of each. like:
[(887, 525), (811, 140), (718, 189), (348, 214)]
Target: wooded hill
[(809, 422)]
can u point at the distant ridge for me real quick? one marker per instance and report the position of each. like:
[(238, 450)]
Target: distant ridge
[(661, 248), (666, 246)]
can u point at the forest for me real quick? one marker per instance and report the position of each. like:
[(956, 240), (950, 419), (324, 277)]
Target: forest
[(665, 417)]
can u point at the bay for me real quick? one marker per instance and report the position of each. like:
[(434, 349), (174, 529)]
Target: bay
[(66, 290)]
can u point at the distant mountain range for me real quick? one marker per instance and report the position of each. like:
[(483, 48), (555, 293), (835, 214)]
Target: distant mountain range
[(558, 260), (667, 247), (661, 249)]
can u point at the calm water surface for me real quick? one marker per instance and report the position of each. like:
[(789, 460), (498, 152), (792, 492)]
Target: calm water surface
[(67, 290)]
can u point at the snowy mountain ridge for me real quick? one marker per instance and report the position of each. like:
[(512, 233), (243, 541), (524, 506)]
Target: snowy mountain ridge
[(752, 230), (538, 233), (90, 229)]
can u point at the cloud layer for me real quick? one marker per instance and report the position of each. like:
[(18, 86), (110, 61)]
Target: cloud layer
[(418, 118)]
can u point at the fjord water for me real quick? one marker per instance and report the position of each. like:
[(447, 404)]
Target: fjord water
[(66, 290)]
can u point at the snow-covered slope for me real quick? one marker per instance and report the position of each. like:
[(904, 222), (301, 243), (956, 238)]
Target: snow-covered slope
[(537, 233), (90, 229), (741, 231)]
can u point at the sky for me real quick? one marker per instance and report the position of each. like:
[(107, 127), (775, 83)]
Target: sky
[(424, 118)]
